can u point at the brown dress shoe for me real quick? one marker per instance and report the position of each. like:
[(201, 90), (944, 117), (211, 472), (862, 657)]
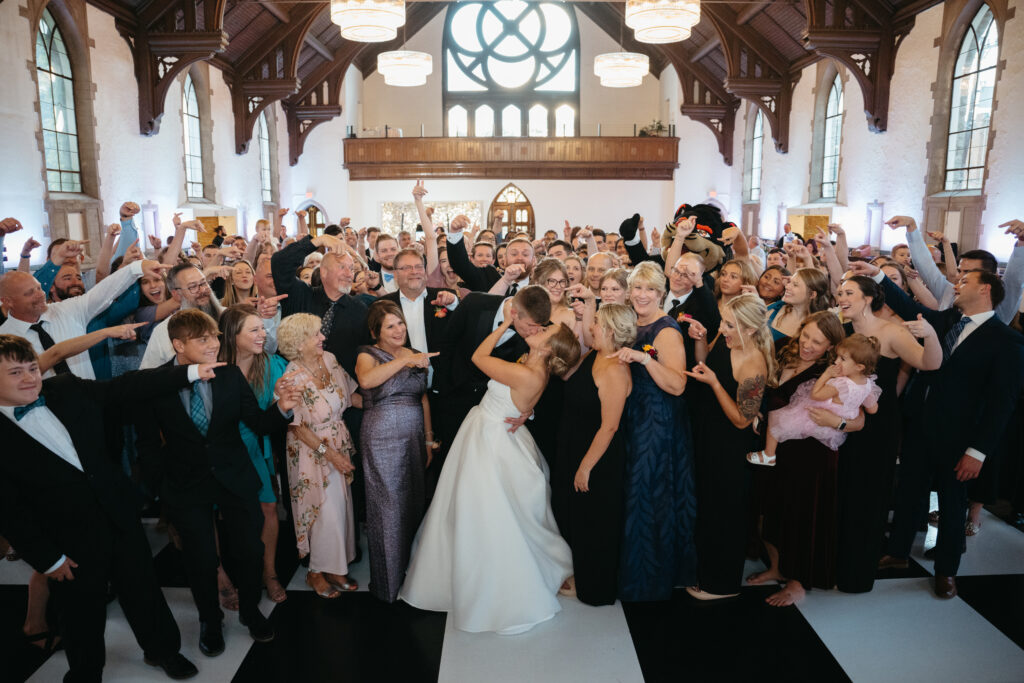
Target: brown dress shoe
[(890, 562), (945, 586)]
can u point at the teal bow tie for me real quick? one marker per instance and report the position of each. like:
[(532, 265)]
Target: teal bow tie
[(21, 411)]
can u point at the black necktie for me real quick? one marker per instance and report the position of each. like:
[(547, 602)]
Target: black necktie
[(949, 341), (47, 341), (328, 321), (513, 289), (675, 302)]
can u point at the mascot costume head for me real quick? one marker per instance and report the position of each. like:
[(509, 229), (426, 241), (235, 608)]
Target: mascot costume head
[(706, 237)]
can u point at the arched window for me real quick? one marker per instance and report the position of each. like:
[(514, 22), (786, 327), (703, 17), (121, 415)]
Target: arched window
[(266, 180), (753, 170), (974, 84), (519, 58), (833, 135), (57, 109), (193, 140)]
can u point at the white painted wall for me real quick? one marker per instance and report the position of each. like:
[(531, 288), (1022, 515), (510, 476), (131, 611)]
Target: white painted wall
[(1006, 159), (21, 177)]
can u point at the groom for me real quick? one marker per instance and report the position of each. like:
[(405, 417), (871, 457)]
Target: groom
[(463, 384)]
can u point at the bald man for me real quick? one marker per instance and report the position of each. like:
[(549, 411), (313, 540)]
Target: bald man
[(43, 325)]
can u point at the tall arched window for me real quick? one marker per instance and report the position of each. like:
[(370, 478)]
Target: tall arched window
[(753, 170), (511, 59), (57, 109), (833, 135), (193, 140), (974, 84), (266, 181)]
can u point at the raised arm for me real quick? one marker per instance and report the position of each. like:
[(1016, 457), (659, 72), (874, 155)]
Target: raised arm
[(842, 249), (476, 279), (25, 263), (429, 238), (684, 227), (933, 278), (174, 248), (106, 254), (1013, 276), (496, 368)]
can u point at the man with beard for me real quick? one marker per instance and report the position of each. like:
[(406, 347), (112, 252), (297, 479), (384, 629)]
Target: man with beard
[(386, 250), (188, 286), (45, 324), (519, 261), (67, 284)]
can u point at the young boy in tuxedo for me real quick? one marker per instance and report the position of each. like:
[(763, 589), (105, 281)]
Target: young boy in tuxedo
[(192, 453), (70, 511)]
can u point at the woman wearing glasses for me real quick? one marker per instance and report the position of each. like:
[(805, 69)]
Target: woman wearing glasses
[(552, 276)]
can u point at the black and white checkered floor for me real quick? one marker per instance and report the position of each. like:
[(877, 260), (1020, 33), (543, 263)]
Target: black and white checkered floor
[(898, 632)]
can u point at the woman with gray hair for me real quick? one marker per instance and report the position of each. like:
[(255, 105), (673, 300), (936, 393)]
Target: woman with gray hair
[(587, 489), (320, 456)]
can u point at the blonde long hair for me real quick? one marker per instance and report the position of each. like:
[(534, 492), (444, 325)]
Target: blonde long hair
[(752, 314)]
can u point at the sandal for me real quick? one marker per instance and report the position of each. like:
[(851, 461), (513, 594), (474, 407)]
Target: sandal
[(568, 588), (276, 592), (761, 458), (972, 529), (329, 592), (51, 641), (229, 598), (346, 584)]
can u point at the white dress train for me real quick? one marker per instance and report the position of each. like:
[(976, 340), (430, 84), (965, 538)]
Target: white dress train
[(488, 550)]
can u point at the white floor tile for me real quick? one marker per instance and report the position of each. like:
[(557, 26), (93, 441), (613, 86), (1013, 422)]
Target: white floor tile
[(901, 632), (124, 658), (581, 643), (997, 549)]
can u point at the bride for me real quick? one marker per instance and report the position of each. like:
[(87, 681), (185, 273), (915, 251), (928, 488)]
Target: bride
[(488, 550)]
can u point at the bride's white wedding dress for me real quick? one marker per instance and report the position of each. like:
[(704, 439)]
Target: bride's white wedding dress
[(488, 550)]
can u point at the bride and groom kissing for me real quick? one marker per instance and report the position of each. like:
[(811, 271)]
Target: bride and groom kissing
[(488, 550)]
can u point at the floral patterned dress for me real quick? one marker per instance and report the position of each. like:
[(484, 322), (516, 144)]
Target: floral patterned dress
[(321, 496)]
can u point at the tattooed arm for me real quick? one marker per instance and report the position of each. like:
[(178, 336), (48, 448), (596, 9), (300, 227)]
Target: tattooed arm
[(742, 410)]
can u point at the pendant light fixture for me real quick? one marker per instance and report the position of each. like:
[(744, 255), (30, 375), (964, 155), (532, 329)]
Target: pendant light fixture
[(662, 21)]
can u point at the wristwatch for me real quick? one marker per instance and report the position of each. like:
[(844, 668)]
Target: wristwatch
[(842, 425), (321, 449)]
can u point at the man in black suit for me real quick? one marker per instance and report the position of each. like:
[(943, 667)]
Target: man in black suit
[(344, 316), (427, 311), (190, 441), (519, 262), (475, 318), (691, 297), (957, 414), (70, 511)]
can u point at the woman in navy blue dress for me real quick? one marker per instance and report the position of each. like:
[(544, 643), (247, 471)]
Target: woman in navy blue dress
[(660, 504)]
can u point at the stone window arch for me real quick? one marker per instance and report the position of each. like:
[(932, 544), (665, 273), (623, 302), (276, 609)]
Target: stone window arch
[(197, 135), (826, 145)]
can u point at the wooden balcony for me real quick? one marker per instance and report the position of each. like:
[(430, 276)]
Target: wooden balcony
[(609, 158)]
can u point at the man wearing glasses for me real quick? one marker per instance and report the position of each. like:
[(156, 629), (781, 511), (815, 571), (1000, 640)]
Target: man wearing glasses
[(188, 286)]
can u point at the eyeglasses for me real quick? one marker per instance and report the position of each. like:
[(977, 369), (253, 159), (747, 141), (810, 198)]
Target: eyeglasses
[(552, 282), (195, 287), (418, 268)]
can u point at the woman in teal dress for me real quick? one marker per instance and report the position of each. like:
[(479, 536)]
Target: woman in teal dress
[(242, 339)]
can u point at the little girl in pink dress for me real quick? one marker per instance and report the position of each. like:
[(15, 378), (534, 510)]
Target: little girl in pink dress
[(844, 388)]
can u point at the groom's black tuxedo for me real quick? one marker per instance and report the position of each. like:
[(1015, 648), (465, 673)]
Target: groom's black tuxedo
[(49, 508)]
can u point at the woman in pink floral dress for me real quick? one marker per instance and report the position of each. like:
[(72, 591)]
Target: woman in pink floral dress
[(319, 457)]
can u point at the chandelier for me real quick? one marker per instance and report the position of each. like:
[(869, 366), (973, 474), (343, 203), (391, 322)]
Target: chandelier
[(368, 21), (621, 69), (405, 67), (662, 21)]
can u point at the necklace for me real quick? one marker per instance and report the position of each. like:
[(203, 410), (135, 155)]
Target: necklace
[(321, 374)]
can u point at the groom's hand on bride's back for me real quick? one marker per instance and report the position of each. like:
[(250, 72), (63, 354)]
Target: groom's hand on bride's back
[(517, 422)]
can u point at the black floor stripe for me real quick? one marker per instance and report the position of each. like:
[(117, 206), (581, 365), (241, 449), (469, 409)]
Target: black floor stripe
[(1000, 599), (353, 638), (730, 640)]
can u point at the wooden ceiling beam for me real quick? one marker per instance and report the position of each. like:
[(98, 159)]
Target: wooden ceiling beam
[(705, 49), (299, 21), (318, 47), (750, 11), (279, 13)]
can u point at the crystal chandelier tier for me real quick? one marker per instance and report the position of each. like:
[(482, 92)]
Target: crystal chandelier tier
[(662, 21), (405, 68), (368, 21), (621, 69)]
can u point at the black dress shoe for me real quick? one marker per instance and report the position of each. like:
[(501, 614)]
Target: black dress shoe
[(945, 586), (259, 627), (211, 638), (175, 666)]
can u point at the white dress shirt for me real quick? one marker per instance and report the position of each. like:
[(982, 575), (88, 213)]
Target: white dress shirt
[(412, 309), (159, 349), (42, 425), (388, 283), (69, 318), (673, 300)]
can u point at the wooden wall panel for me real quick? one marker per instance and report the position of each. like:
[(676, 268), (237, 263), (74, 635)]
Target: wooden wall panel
[(598, 157)]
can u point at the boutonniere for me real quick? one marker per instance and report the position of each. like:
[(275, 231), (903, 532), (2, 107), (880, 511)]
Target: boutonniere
[(440, 311), (522, 358), (650, 351)]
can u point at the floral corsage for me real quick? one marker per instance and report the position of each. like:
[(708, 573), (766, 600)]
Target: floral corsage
[(440, 312), (650, 351)]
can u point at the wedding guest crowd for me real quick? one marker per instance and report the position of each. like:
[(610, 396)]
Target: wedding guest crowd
[(709, 397)]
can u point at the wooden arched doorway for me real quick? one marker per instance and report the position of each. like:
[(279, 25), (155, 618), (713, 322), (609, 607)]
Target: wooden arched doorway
[(316, 218), (515, 210)]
